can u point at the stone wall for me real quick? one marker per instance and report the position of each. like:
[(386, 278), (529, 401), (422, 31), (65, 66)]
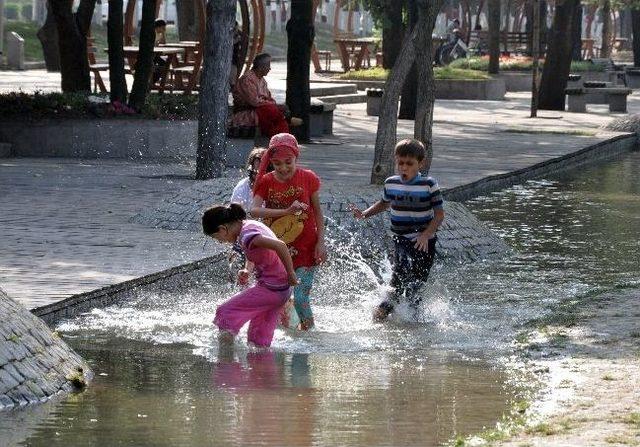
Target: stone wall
[(35, 364)]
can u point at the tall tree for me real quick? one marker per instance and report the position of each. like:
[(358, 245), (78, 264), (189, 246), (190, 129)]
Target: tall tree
[(300, 33), (635, 26), (48, 36), (144, 62), (73, 29), (576, 34), (115, 35), (605, 51), (393, 29), (214, 89), (383, 164), (187, 23), (408, 98), (494, 36), (555, 72)]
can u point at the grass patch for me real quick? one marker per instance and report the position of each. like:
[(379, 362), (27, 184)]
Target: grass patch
[(578, 132), (633, 419), (620, 439), (523, 64), (439, 73), (547, 429), (608, 377)]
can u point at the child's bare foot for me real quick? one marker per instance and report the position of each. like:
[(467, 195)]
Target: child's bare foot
[(305, 325), (381, 312)]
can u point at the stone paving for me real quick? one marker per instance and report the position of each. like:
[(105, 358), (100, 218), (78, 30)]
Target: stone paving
[(68, 226), (35, 364)]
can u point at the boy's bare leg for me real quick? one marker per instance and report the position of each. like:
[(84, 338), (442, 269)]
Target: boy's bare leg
[(381, 312), (225, 346)]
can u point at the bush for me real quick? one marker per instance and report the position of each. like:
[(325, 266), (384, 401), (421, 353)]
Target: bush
[(27, 11), (11, 11), (449, 72), (520, 63), (18, 105)]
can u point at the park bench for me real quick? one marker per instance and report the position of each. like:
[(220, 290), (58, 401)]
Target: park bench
[(510, 42), (616, 97)]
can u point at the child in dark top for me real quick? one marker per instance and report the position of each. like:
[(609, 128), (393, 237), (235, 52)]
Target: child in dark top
[(416, 213)]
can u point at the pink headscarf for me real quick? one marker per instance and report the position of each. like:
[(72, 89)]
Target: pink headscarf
[(282, 145)]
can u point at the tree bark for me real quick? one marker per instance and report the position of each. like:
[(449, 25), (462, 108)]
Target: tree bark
[(605, 51), (576, 34), (408, 100), (635, 26), (494, 36), (187, 24), (144, 62), (558, 61), (48, 36), (214, 89), (393, 31), (300, 33), (115, 35), (427, 14), (383, 161), (72, 42)]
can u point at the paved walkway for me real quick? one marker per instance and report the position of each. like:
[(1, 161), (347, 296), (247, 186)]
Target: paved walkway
[(65, 225)]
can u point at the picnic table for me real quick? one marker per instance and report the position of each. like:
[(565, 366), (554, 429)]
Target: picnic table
[(171, 54), (358, 47), (189, 48)]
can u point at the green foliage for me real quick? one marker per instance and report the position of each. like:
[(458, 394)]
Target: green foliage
[(440, 73), (518, 64), (12, 11), (37, 106)]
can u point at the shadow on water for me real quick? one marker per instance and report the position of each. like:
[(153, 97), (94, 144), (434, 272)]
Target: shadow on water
[(161, 381)]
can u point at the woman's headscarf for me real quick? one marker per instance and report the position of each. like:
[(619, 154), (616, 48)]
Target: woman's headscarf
[(282, 145)]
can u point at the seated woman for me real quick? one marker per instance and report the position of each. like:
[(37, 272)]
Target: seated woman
[(253, 104)]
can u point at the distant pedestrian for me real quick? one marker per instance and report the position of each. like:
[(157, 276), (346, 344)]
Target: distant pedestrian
[(416, 213)]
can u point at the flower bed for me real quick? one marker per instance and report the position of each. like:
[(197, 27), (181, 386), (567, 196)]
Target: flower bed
[(518, 63)]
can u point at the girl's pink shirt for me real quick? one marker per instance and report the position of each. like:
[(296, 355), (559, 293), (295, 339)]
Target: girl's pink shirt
[(269, 269)]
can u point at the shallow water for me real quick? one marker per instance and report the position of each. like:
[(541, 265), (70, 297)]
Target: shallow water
[(160, 379)]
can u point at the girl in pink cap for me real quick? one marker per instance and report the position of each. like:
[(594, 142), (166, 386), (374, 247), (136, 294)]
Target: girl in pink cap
[(287, 199), (262, 303)]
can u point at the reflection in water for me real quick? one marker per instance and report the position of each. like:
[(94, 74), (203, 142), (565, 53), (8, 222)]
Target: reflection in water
[(164, 395)]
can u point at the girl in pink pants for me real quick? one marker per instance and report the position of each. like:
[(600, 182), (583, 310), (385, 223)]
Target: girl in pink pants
[(260, 305)]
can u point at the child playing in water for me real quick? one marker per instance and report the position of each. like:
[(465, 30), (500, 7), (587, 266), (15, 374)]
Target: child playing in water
[(243, 191), (290, 196), (416, 214), (260, 304)]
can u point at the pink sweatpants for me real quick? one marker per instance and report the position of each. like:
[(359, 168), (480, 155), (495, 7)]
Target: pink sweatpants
[(257, 304)]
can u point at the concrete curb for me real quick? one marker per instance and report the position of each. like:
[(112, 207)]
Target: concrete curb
[(83, 302), (596, 152)]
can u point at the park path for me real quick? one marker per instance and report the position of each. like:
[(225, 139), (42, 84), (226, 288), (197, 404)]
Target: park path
[(66, 228)]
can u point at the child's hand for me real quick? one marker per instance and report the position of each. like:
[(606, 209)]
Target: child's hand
[(243, 277), (297, 208), (320, 254), (422, 242), (293, 279), (357, 212)]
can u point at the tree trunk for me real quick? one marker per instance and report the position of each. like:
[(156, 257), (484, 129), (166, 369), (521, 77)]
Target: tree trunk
[(383, 161), (408, 98), (635, 26), (187, 24), (48, 36), (605, 51), (535, 53), (427, 14), (115, 36), (144, 62), (393, 31), (479, 12), (557, 64), (300, 33), (576, 34), (494, 36), (72, 42), (214, 89)]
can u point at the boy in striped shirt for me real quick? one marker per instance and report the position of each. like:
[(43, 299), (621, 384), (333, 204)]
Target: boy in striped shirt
[(416, 213)]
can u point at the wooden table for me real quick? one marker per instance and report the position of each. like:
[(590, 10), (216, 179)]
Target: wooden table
[(131, 55), (587, 49), (189, 47), (358, 47)]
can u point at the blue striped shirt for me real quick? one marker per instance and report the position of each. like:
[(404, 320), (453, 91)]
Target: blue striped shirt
[(412, 203)]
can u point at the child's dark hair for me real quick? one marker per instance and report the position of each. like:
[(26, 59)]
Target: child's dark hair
[(410, 148), (217, 216)]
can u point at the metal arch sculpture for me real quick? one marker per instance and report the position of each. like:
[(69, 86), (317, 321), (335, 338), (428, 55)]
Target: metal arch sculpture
[(250, 11)]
